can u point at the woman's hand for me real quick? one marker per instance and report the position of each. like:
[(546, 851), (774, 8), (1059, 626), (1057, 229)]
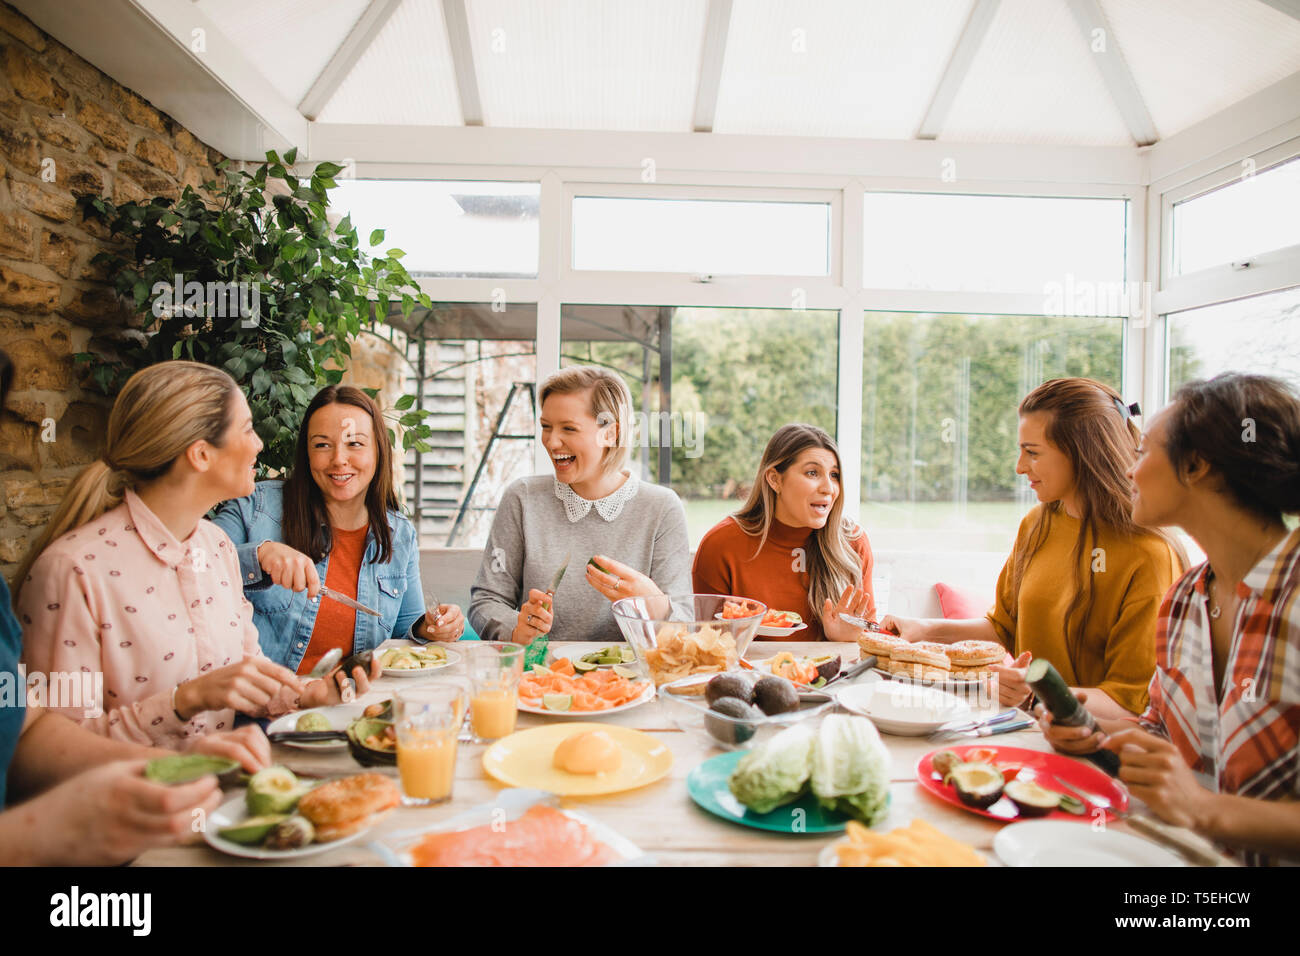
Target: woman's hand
[(854, 601), (112, 814), (908, 628), (447, 624), (1157, 774), (1012, 688), (289, 568), (248, 745), (1070, 740), (246, 687), (618, 580), (340, 688), (535, 618)]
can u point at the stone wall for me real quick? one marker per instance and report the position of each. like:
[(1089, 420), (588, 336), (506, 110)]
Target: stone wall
[(66, 130)]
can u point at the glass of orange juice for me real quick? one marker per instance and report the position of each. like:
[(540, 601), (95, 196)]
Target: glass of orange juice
[(428, 719), (494, 669)]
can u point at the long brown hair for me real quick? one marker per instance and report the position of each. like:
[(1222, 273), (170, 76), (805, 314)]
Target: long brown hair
[(306, 525), (161, 411), (832, 563), (1090, 424)]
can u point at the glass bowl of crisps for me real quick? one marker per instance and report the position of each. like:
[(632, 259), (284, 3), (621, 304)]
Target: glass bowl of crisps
[(678, 635), (731, 728)]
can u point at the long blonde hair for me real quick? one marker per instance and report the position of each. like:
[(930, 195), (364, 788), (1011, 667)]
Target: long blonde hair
[(832, 563), (160, 412)]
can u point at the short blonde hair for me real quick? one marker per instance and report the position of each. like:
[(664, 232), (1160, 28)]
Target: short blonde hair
[(611, 404)]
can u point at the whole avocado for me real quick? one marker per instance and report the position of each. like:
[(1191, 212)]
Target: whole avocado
[(732, 731), (729, 685), (776, 695)]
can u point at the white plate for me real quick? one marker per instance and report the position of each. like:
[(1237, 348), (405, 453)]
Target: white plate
[(233, 811), (646, 696), (904, 710), (960, 687), (1062, 843), (575, 654), (395, 848), (767, 630), (339, 716), (453, 658)]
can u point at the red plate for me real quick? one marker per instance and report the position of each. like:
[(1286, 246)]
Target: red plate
[(1082, 775)]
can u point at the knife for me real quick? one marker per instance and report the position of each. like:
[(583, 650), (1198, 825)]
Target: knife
[(347, 601), (956, 727), (326, 663), (846, 675), (863, 623), (559, 575), (987, 730)]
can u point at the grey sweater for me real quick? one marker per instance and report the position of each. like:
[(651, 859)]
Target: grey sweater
[(530, 536)]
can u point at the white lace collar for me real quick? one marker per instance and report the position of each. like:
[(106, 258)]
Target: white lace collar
[(610, 507)]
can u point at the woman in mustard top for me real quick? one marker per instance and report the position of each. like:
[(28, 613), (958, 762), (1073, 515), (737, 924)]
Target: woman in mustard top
[(1083, 584)]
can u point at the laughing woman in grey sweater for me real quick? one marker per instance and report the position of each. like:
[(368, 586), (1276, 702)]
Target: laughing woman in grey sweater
[(593, 507)]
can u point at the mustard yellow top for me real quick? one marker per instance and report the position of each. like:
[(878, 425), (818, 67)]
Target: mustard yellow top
[(1128, 576)]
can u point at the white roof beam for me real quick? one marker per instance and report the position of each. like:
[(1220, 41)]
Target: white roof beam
[(1290, 7), (713, 51), (357, 41), (462, 60), (1118, 78), (963, 54)]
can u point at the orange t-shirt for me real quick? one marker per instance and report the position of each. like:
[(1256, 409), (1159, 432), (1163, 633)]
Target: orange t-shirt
[(337, 623), (725, 563)]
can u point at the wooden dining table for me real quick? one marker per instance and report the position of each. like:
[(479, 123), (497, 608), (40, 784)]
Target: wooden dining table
[(660, 818)]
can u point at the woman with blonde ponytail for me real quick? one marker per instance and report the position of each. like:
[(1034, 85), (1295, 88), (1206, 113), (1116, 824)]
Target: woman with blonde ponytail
[(790, 546), (129, 579)]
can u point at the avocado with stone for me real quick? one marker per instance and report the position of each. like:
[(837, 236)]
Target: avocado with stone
[(273, 790)]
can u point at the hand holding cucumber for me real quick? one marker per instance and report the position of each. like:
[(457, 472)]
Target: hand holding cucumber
[(616, 580)]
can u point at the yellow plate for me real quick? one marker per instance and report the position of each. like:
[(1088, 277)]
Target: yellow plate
[(524, 760)]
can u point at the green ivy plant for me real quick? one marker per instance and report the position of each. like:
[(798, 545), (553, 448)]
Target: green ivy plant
[(266, 290)]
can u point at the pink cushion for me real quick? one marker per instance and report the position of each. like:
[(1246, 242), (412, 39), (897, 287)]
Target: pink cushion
[(959, 604)]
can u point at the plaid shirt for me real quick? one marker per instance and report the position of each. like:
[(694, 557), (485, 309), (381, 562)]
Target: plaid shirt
[(1242, 740)]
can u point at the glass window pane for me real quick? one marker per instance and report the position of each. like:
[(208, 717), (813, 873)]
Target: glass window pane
[(1231, 337), (701, 236), (945, 242), (447, 229), (736, 376), (1252, 215), (939, 398), (479, 372)]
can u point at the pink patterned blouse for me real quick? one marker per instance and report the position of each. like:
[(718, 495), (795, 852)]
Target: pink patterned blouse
[(121, 595)]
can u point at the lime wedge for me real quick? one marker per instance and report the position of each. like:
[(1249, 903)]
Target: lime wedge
[(583, 666), (627, 654), (541, 669), (630, 673), (557, 701)]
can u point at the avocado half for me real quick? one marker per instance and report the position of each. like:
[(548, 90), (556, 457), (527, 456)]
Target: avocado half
[(1033, 800), (978, 785)]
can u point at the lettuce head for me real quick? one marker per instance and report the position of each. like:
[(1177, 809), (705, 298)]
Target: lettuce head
[(850, 767), (776, 772)]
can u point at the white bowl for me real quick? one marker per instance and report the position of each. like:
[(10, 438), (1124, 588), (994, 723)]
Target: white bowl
[(904, 710)]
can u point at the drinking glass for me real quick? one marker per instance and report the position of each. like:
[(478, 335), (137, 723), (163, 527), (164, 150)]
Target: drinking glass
[(494, 669), (428, 719)]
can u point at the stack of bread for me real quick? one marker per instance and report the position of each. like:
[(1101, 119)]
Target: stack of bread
[(929, 660)]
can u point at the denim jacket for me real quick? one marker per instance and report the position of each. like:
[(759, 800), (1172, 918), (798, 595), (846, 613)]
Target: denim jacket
[(285, 618)]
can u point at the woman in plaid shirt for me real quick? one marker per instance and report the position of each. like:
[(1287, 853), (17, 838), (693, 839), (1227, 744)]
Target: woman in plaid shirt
[(1216, 750)]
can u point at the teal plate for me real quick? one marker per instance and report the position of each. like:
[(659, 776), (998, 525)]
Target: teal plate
[(707, 785)]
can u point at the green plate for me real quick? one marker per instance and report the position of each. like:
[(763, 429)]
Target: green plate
[(707, 785)]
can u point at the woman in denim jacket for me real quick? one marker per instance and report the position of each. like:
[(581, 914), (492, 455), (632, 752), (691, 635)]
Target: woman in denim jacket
[(335, 520)]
